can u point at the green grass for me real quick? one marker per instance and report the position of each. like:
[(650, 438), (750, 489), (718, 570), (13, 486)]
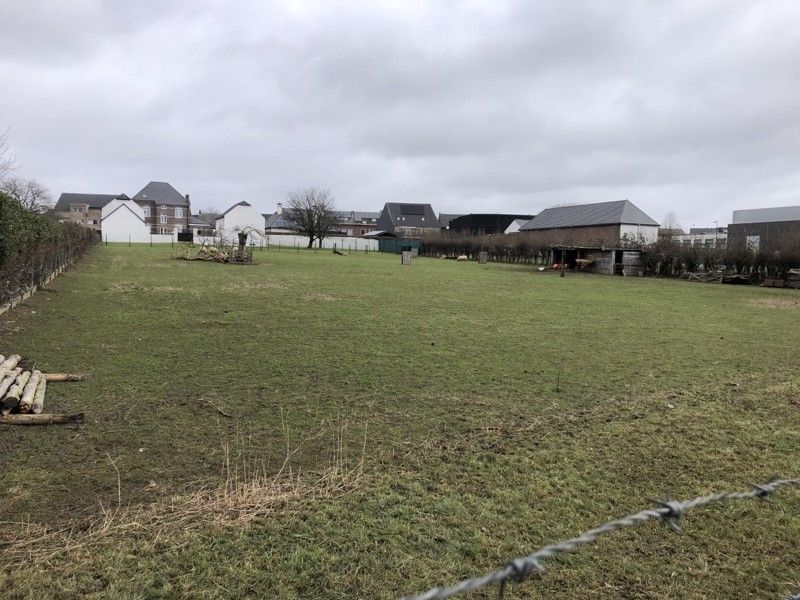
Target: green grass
[(504, 410)]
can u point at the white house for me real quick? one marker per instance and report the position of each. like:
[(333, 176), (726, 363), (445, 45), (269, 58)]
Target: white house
[(123, 220), (241, 217)]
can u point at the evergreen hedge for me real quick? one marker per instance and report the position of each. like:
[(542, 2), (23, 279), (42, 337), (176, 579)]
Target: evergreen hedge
[(32, 246)]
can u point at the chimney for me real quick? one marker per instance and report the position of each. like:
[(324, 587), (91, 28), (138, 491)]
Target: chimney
[(280, 208)]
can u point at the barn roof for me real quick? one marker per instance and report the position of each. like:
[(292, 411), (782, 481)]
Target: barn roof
[(618, 212)]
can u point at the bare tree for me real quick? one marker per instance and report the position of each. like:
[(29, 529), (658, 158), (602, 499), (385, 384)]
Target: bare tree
[(7, 160), (671, 221), (30, 194), (312, 212), (670, 227)]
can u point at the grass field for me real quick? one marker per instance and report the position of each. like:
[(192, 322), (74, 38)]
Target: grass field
[(443, 419)]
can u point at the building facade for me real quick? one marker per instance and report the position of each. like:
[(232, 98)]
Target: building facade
[(352, 223), (703, 237), (165, 210), (767, 231)]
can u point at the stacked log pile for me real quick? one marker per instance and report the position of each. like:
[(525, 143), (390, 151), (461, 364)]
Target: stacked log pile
[(22, 393)]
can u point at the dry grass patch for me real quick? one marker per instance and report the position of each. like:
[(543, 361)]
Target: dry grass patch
[(127, 286), (248, 493), (258, 285), (777, 302), (320, 297)]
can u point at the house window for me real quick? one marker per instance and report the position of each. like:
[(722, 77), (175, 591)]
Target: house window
[(76, 209), (146, 211), (178, 213), (163, 218)]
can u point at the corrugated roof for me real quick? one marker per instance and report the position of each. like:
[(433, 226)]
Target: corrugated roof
[(161, 192), (92, 200), (619, 212), (766, 215)]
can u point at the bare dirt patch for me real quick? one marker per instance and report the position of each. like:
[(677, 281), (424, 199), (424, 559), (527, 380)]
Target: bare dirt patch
[(777, 302)]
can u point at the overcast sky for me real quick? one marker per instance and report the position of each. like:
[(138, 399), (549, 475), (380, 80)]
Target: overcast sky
[(476, 106)]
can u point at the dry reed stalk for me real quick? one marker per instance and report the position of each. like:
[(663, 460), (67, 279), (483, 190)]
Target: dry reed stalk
[(247, 493)]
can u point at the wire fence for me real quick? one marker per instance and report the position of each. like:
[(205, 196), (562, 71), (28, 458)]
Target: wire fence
[(669, 511)]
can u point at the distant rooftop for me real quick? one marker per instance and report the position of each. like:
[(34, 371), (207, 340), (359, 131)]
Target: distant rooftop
[(161, 192), (766, 215), (618, 212), (92, 200)]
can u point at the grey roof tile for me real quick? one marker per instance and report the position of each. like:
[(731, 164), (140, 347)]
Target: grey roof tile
[(587, 215), (92, 200), (161, 192), (400, 214)]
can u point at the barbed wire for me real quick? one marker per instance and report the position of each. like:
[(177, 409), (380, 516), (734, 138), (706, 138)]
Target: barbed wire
[(670, 511)]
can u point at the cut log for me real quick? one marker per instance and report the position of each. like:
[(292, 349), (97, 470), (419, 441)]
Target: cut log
[(12, 397), (26, 400), (42, 419), (10, 362), (8, 381), (66, 376), (38, 397)]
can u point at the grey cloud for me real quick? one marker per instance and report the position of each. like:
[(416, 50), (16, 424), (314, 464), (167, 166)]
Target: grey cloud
[(510, 106)]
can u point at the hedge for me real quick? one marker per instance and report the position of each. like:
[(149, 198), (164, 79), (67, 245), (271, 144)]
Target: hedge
[(665, 257), (32, 246)]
